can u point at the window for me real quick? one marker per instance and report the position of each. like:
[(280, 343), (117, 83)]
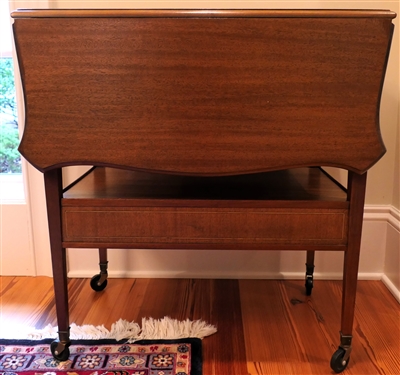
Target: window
[(10, 160), (11, 183)]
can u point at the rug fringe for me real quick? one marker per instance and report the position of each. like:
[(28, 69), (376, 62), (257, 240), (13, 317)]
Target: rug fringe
[(168, 328), (151, 329)]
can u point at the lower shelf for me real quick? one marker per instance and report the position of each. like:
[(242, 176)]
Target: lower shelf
[(112, 208)]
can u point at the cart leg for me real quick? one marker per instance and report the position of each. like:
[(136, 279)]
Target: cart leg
[(309, 272), (99, 281), (53, 186), (356, 195)]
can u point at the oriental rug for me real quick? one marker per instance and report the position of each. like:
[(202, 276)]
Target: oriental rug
[(103, 357)]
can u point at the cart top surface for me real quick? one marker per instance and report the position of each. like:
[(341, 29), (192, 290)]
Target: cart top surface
[(198, 92)]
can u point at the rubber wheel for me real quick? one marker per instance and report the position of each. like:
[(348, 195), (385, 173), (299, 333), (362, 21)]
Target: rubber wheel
[(337, 363), (309, 285), (94, 283), (63, 356)]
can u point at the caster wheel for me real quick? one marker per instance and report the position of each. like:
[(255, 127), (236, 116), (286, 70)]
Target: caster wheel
[(309, 285), (63, 356), (337, 363), (94, 283)]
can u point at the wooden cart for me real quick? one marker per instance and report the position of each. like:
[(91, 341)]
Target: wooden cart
[(207, 129)]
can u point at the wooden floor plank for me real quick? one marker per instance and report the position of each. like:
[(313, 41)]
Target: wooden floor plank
[(265, 327), (121, 299), (26, 300), (272, 346), (376, 330), (224, 352)]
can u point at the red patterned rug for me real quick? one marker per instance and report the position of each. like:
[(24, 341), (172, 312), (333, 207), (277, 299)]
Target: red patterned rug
[(103, 357)]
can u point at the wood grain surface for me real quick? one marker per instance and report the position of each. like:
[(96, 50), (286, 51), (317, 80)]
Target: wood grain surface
[(203, 95), (265, 327), (198, 13)]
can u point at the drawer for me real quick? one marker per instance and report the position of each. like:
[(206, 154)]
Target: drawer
[(193, 225)]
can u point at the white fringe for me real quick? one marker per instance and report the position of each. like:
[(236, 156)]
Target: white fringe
[(168, 328), (165, 328)]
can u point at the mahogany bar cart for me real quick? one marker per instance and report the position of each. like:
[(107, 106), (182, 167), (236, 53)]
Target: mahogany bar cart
[(205, 129)]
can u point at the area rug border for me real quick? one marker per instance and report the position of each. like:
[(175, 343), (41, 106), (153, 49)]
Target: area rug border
[(196, 346)]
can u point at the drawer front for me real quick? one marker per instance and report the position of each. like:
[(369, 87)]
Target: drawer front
[(137, 225)]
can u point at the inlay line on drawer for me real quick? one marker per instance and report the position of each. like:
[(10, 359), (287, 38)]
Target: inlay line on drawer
[(217, 225)]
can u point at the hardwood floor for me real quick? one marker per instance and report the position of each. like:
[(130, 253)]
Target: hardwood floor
[(264, 326)]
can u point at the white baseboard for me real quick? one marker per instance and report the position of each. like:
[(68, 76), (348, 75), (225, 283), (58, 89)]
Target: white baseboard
[(392, 288), (390, 215), (266, 276), (387, 213)]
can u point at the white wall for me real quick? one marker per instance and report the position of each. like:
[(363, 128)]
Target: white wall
[(392, 261), (382, 181), (380, 191), (379, 252), (392, 254), (18, 232)]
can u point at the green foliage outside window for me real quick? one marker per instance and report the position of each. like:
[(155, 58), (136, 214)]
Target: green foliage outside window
[(10, 161), (9, 155)]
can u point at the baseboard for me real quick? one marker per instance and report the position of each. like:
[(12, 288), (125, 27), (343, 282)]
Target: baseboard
[(392, 288), (387, 213), (391, 216), (267, 276)]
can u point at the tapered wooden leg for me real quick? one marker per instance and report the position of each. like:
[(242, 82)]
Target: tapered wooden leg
[(356, 192), (53, 187), (356, 197), (309, 272), (103, 255)]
